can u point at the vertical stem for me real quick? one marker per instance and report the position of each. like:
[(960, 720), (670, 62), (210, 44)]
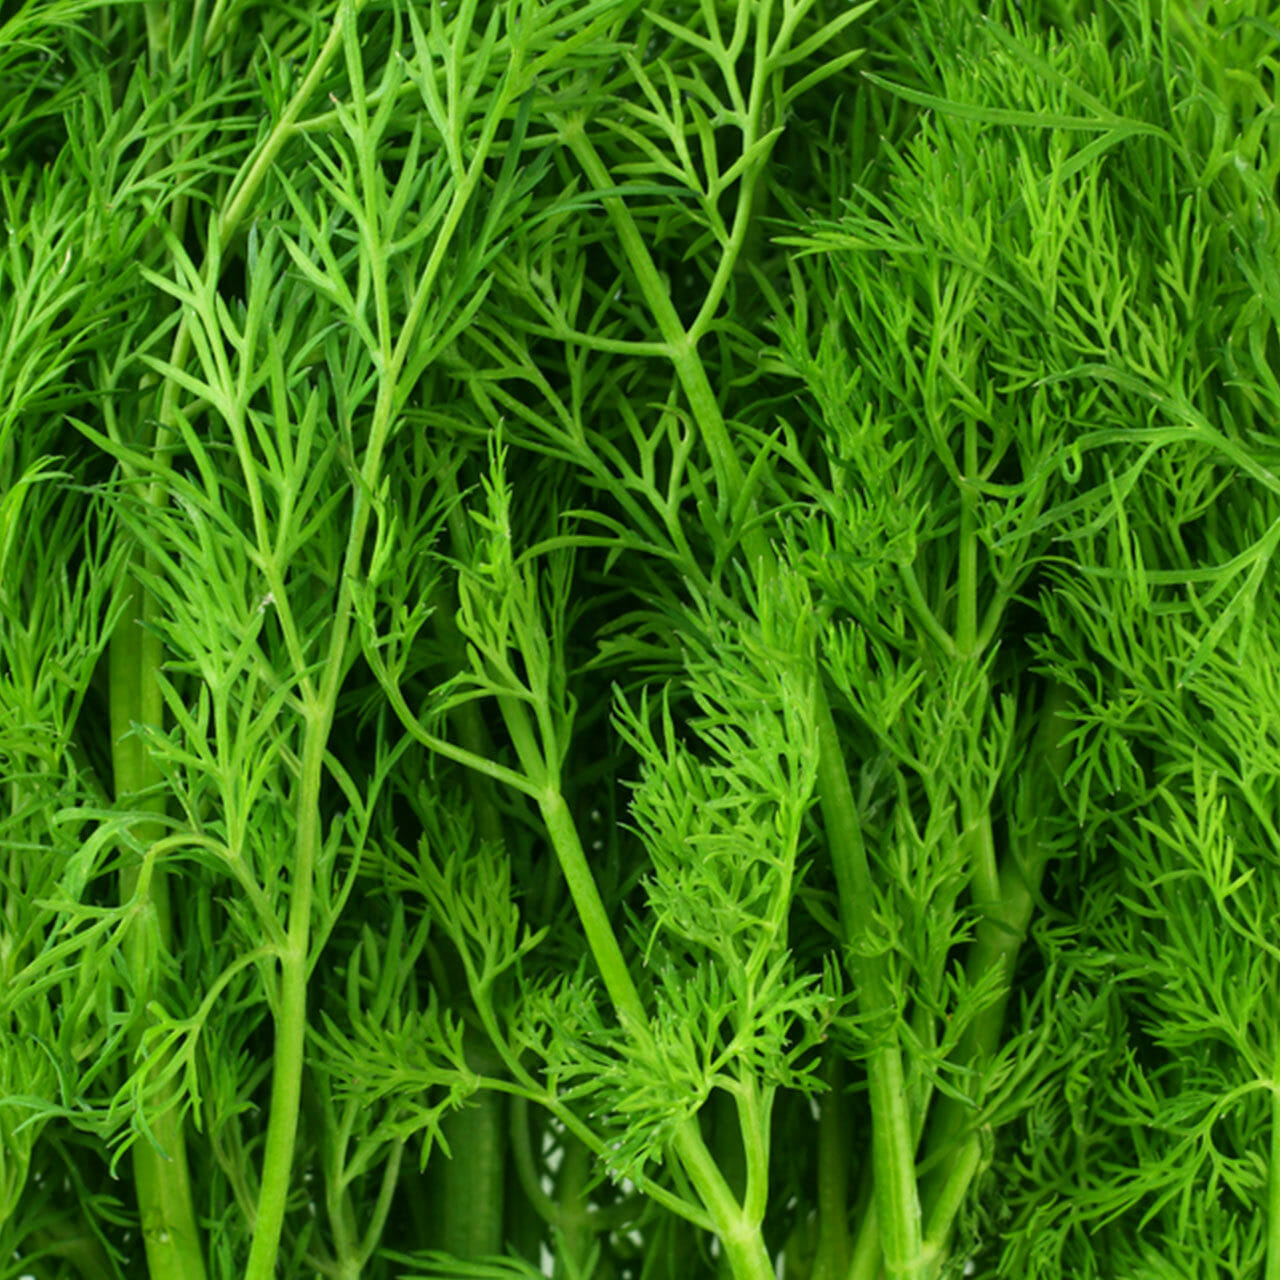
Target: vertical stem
[(163, 1181), (472, 1181), (528, 1208), (833, 1176), (162, 1177), (1273, 1190), (291, 1016), (997, 942), (474, 1178), (967, 570), (892, 1143), (893, 1147), (726, 1131), (571, 1198), (291, 1020), (865, 1263)]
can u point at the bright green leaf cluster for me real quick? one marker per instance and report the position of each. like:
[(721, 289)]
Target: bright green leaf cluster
[(636, 641)]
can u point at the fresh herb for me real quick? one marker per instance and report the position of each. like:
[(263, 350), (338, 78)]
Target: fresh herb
[(637, 642)]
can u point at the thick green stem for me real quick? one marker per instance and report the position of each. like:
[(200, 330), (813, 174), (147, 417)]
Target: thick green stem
[(833, 1176), (473, 1181), (966, 638), (162, 1177), (865, 1262), (572, 1217)]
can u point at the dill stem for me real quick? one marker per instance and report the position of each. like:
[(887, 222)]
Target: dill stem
[(291, 1017), (681, 347), (864, 1264), (288, 1061), (833, 1176), (892, 1140), (473, 1178), (288, 1058), (161, 1173), (251, 177), (966, 638), (163, 1181), (1273, 1188), (572, 1215), (997, 942), (740, 1236), (892, 1143)]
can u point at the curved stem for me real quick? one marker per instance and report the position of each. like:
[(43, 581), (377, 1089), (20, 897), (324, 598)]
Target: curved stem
[(740, 1236)]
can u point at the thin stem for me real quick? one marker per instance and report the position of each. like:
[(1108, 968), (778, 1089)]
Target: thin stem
[(572, 1218), (288, 1054), (591, 912), (924, 614), (244, 188), (962, 1170), (382, 1208), (967, 569), (526, 1165), (681, 347), (740, 1235)]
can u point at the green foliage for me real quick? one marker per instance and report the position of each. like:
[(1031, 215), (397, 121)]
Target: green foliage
[(638, 641)]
